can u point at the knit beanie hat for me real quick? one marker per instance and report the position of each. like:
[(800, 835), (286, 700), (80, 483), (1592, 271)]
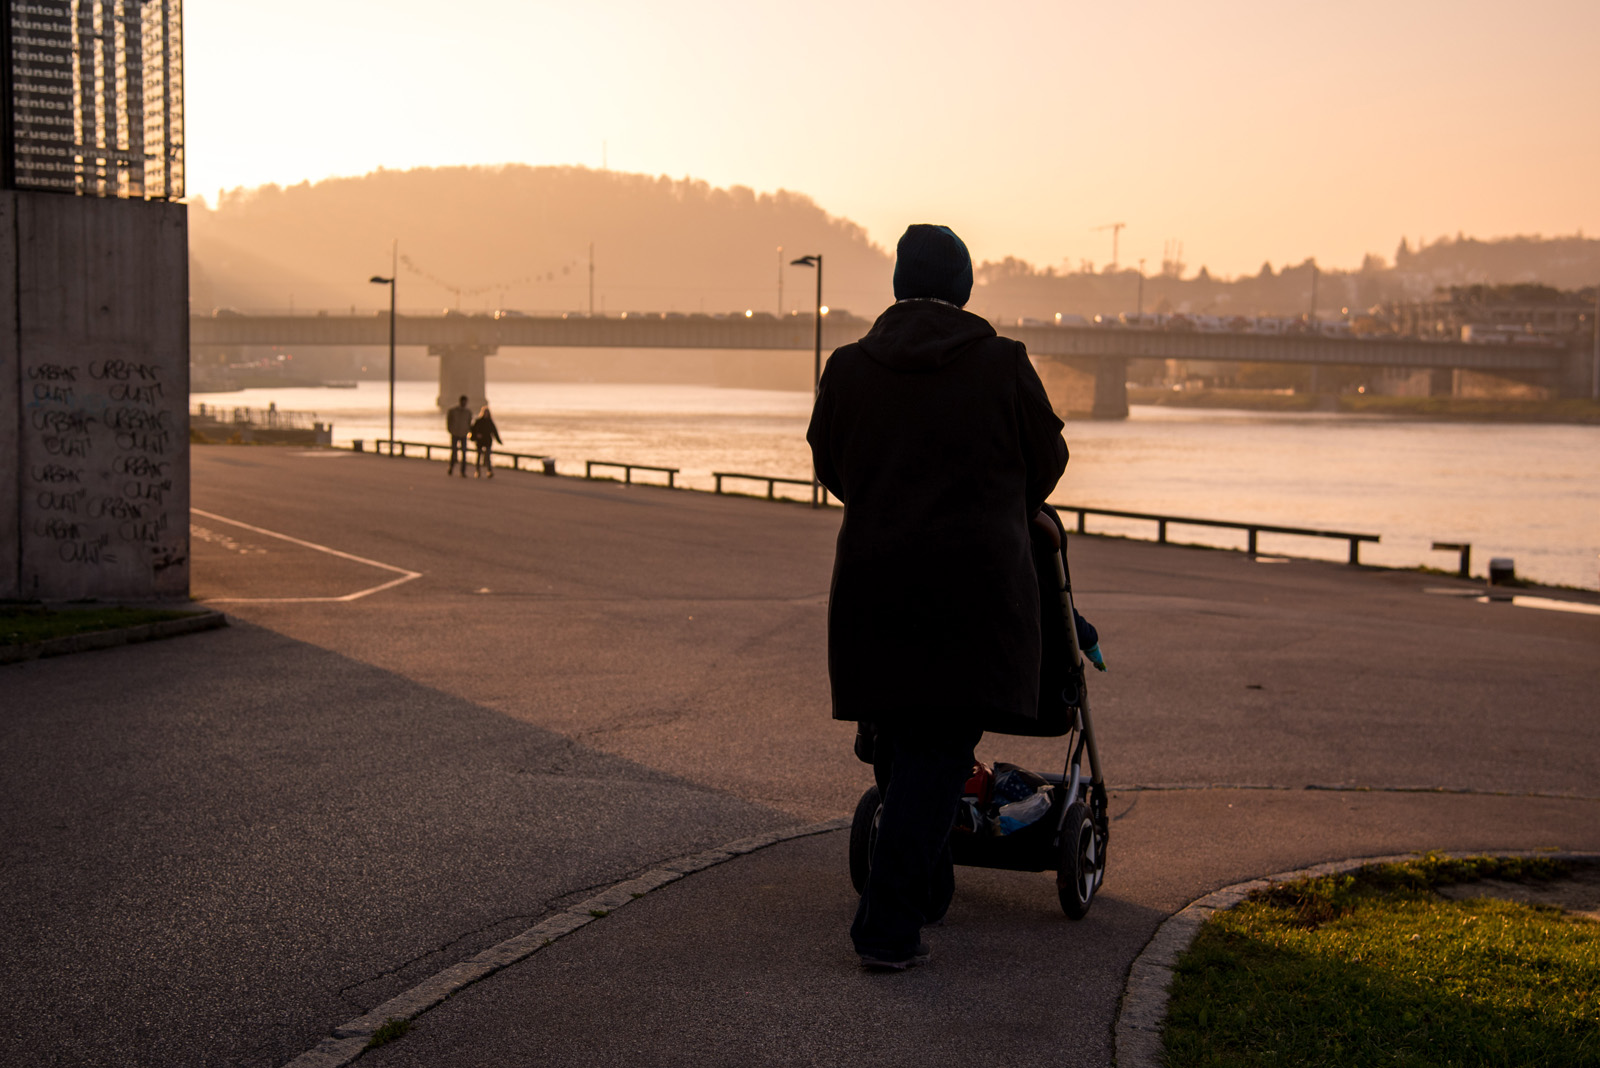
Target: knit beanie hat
[(931, 261)]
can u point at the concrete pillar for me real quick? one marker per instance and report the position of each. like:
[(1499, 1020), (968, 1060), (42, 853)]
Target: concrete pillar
[(1441, 382), (100, 404), (1093, 387), (1069, 384), (461, 371), (1111, 388)]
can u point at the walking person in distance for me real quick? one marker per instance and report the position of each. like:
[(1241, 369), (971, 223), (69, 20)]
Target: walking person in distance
[(458, 421), (484, 436), (937, 436)]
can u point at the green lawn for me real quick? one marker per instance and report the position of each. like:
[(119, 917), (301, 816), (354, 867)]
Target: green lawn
[(1375, 968), (25, 624)]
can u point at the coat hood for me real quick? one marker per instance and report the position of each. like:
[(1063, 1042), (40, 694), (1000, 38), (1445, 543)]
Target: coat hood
[(923, 335)]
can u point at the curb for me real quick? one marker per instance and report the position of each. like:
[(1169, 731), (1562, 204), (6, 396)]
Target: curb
[(210, 619), (1136, 1041), (349, 1040)]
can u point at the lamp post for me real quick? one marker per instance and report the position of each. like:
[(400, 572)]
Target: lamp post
[(816, 365), (379, 280), (1139, 312)]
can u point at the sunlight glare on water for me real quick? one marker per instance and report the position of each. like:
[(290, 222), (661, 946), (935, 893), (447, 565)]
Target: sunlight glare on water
[(1525, 491)]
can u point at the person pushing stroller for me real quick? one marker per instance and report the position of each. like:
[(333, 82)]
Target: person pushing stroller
[(938, 437)]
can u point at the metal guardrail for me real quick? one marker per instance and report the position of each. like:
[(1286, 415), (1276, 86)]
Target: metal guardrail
[(270, 417), (629, 469), (770, 480), (1162, 521), (1462, 547), (1252, 529), (547, 463)]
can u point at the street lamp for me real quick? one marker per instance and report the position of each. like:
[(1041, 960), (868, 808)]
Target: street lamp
[(1139, 313), (379, 280), (816, 365)]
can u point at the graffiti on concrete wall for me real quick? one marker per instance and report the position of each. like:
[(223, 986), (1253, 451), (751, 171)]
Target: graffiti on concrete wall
[(103, 490)]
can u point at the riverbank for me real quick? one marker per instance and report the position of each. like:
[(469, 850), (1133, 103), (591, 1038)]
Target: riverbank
[(1458, 409), (1514, 489)]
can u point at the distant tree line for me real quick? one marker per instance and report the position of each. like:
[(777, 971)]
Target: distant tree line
[(519, 237), (1013, 288)]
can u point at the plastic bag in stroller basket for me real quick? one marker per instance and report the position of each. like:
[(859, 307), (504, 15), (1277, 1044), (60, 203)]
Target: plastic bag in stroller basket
[(1003, 800)]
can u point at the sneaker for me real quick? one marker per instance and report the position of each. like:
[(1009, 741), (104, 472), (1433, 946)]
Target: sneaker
[(878, 964)]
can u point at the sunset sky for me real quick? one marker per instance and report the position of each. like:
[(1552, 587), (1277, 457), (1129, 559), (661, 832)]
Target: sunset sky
[(1249, 131)]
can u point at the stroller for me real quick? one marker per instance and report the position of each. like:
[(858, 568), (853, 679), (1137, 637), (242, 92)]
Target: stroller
[(1070, 837)]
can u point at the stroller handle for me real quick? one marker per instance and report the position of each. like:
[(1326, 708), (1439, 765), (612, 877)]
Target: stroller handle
[(1046, 530)]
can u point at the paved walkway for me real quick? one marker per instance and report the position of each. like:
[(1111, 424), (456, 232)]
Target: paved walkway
[(221, 848)]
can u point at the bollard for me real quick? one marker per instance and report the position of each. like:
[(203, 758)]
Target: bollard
[(549, 465), (356, 446), (1502, 569)]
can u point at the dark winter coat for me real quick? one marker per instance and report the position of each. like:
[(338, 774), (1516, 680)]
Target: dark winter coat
[(939, 439), (484, 431)]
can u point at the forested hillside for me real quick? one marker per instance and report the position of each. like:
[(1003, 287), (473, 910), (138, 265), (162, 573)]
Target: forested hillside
[(481, 238)]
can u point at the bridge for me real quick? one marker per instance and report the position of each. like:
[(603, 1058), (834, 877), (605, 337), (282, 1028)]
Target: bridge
[(1077, 362)]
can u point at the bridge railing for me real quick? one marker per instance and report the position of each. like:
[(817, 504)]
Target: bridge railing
[(1251, 529)]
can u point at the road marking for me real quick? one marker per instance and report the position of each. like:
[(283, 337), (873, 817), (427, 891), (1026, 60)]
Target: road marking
[(405, 575), (1549, 604)]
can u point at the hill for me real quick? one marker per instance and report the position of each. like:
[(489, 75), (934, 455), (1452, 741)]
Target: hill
[(519, 237), (479, 238)]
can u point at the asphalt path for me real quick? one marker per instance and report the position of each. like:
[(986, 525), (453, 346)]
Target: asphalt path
[(448, 707)]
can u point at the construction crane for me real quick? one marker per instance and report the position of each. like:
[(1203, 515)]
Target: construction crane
[(1116, 231)]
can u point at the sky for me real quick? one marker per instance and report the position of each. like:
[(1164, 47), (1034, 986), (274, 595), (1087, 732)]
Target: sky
[(1248, 131)]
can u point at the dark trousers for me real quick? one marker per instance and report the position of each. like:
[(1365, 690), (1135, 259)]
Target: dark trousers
[(920, 774), (458, 445)]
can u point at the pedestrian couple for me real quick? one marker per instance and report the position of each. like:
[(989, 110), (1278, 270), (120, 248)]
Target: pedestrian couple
[(482, 431)]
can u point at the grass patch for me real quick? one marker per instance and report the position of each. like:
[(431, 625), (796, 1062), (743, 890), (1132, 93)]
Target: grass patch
[(26, 624), (1375, 968), (388, 1031)]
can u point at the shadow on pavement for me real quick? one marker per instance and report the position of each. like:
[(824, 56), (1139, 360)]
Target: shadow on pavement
[(751, 963), (218, 849)]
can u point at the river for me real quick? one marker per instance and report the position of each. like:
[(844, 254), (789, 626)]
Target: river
[(1527, 491)]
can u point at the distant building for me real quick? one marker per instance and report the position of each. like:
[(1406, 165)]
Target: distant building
[(95, 96), (1497, 315)]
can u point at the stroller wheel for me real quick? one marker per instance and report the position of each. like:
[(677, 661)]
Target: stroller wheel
[(863, 835), (1083, 863)]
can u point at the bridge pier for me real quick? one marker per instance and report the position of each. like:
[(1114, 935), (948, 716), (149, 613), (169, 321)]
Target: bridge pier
[(461, 373), (1094, 387)]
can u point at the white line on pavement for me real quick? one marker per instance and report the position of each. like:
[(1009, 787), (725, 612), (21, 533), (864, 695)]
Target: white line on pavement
[(405, 575)]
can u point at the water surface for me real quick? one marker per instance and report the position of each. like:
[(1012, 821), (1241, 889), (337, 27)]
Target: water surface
[(1528, 491)]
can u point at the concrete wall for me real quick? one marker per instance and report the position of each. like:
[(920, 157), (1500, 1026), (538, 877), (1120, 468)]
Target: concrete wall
[(100, 329), (10, 405)]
